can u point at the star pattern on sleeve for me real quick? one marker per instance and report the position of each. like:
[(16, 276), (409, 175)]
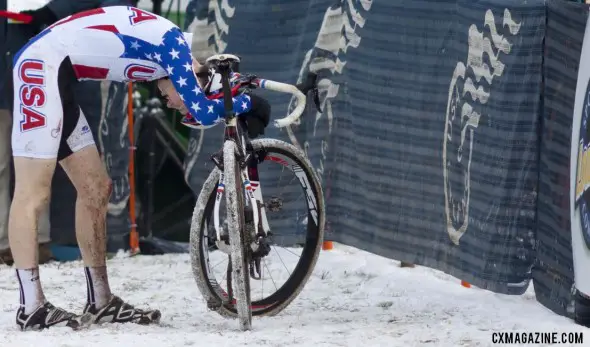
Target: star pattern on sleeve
[(173, 54)]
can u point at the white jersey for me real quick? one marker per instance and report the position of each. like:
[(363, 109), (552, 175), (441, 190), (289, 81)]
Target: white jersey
[(118, 43), (124, 43)]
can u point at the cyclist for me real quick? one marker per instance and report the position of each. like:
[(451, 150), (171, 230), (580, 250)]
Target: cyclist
[(118, 43)]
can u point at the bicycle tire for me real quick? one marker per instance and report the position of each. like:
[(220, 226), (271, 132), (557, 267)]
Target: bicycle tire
[(212, 293), (234, 196)]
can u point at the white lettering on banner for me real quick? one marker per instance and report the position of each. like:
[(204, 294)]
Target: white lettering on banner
[(337, 33), (202, 31), (580, 173), (462, 118)]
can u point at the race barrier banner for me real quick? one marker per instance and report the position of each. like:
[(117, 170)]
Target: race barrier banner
[(454, 133), (428, 144), (579, 184), (553, 273)]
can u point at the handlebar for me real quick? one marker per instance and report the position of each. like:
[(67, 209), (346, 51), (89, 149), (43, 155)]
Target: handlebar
[(284, 88), (224, 62)]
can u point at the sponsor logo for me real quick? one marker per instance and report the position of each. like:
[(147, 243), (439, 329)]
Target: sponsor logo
[(467, 93), (582, 182), (55, 132), (209, 38), (310, 197), (32, 94), (327, 59), (138, 72)]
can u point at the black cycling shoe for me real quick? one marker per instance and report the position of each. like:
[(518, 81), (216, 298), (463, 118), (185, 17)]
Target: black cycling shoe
[(47, 315), (117, 311)]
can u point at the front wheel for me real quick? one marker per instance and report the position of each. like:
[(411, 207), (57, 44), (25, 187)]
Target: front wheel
[(294, 207)]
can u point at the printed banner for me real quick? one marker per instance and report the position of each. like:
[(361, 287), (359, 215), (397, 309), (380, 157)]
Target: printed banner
[(580, 173), (553, 271), (428, 144)]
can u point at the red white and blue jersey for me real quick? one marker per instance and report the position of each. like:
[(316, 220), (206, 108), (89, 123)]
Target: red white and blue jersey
[(124, 43)]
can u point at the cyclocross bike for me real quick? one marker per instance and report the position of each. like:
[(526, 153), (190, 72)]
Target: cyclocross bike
[(242, 239)]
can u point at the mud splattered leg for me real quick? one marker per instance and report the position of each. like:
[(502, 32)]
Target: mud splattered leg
[(93, 187)]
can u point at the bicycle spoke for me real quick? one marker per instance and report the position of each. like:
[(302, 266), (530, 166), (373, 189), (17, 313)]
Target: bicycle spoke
[(290, 251), (281, 259), (270, 274), (214, 266)]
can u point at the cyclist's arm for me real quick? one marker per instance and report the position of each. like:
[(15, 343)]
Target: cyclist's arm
[(176, 57)]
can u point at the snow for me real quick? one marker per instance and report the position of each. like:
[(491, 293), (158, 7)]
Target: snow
[(353, 298)]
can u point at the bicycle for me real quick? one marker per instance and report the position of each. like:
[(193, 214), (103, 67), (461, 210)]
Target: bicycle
[(245, 237)]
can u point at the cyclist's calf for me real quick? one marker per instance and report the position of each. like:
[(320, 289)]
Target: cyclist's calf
[(32, 184), (95, 193), (90, 178)]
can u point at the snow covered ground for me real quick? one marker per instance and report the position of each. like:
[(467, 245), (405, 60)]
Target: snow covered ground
[(354, 298)]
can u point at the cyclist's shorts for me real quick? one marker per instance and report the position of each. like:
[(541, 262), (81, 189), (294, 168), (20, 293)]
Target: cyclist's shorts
[(47, 121)]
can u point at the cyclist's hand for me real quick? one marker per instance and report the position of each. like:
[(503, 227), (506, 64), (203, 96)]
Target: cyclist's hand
[(244, 80)]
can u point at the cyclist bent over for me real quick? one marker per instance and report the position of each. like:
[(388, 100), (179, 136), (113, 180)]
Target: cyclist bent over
[(116, 43)]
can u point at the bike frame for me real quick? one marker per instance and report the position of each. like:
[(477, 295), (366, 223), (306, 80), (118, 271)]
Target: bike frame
[(248, 164), (235, 131), (247, 228)]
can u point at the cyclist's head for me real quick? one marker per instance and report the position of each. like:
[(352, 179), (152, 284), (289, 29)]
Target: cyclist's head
[(172, 97), (169, 91)]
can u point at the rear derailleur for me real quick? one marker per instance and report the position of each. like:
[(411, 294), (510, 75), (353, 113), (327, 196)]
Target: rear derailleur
[(262, 250)]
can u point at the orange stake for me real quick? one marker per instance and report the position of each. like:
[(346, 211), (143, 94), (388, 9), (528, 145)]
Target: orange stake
[(134, 235)]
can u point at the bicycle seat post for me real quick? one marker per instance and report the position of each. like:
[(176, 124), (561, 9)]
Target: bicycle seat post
[(224, 71)]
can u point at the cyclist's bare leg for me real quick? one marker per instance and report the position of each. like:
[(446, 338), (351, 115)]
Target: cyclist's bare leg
[(31, 195), (93, 187)]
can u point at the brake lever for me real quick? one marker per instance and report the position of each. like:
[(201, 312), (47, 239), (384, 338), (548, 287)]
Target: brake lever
[(311, 85)]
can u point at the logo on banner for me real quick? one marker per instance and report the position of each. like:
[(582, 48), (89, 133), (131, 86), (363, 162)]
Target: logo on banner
[(582, 182), (468, 91), (208, 39), (327, 59)]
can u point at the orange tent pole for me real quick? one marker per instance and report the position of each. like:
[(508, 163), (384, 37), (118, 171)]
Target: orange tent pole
[(134, 235)]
